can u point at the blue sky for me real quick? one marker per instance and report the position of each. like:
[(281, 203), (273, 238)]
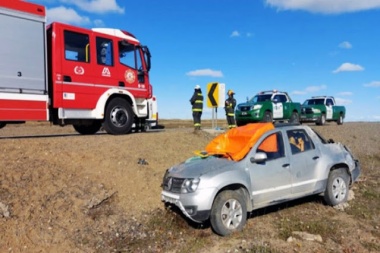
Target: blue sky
[(304, 47)]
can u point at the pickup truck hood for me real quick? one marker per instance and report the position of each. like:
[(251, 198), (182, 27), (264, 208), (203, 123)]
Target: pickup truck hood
[(247, 104), (197, 166)]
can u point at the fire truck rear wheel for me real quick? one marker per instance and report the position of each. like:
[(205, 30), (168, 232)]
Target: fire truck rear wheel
[(2, 124), (118, 117), (88, 129)]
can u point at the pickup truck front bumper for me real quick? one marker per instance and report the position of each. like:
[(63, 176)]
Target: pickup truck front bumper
[(194, 205)]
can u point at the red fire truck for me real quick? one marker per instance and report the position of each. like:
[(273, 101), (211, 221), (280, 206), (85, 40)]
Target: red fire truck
[(67, 75)]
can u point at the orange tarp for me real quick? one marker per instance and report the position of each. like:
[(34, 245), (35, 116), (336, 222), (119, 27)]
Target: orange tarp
[(237, 142)]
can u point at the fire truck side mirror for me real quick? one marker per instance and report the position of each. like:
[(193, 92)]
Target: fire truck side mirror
[(147, 57)]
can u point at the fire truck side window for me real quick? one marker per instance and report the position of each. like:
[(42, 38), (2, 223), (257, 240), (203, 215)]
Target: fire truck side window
[(77, 46), (104, 51), (127, 55)]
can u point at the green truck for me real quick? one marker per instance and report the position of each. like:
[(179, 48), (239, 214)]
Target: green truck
[(268, 106), (322, 109)]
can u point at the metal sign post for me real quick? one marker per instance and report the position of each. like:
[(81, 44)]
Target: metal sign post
[(215, 98)]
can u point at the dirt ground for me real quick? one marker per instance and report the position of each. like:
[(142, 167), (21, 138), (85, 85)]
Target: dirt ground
[(65, 192)]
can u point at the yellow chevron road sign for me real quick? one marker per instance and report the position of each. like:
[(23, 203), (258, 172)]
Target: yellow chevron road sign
[(215, 94)]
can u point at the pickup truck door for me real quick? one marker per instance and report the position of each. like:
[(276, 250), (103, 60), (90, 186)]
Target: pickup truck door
[(329, 111), (270, 179), (303, 163), (329, 108), (278, 107)]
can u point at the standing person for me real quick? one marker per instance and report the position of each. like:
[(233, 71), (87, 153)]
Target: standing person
[(197, 106), (229, 106)]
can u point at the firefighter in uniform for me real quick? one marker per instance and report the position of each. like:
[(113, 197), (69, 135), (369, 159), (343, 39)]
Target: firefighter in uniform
[(197, 107), (229, 106)]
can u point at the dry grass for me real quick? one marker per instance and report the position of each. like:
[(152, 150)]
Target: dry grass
[(72, 193)]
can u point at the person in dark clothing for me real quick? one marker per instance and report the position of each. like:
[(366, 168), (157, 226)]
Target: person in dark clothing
[(229, 106), (197, 106)]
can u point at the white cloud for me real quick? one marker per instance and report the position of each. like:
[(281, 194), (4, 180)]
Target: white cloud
[(205, 72), (96, 6), (235, 34), (66, 15), (99, 23), (342, 101), (310, 89), (345, 93), (348, 67), (372, 84), (298, 92), (345, 45), (325, 6)]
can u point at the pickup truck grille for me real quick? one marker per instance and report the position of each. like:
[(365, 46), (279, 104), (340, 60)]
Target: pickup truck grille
[(173, 184), (306, 111), (245, 108)]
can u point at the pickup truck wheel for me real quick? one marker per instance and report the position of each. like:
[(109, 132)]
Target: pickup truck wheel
[(228, 213), (91, 128), (295, 118), (340, 120), (268, 117), (322, 120), (118, 117), (2, 124), (337, 187)]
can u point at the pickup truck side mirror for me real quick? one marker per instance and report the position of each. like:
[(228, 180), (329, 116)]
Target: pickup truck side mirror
[(259, 157)]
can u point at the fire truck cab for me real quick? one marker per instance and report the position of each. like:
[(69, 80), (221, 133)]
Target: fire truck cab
[(89, 78)]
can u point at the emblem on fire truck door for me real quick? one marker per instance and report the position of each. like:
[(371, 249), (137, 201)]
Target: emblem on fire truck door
[(106, 72), (79, 70), (129, 76)]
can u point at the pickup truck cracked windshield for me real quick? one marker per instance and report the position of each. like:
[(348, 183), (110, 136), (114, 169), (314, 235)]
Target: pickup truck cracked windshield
[(254, 166)]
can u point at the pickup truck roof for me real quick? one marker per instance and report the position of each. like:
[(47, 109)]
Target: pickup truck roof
[(322, 97)]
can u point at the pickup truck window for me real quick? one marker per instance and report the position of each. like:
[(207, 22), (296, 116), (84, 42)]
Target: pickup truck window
[(280, 98), (272, 153), (329, 102), (261, 98), (299, 141), (314, 102)]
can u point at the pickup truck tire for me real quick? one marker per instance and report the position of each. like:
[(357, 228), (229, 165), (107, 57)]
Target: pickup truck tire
[(228, 212), (295, 118), (340, 120), (322, 120), (268, 117), (118, 117), (337, 187), (87, 129)]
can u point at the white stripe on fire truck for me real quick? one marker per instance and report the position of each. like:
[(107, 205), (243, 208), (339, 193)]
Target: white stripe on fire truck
[(18, 96), (99, 85)]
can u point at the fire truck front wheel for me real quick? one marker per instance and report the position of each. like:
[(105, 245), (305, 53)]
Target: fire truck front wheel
[(2, 124), (118, 117)]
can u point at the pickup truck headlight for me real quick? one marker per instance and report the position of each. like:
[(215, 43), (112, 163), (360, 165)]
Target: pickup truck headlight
[(256, 107), (190, 185), (316, 111)]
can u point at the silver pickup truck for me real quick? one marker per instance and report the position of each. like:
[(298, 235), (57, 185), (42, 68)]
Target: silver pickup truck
[(222, 190)]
